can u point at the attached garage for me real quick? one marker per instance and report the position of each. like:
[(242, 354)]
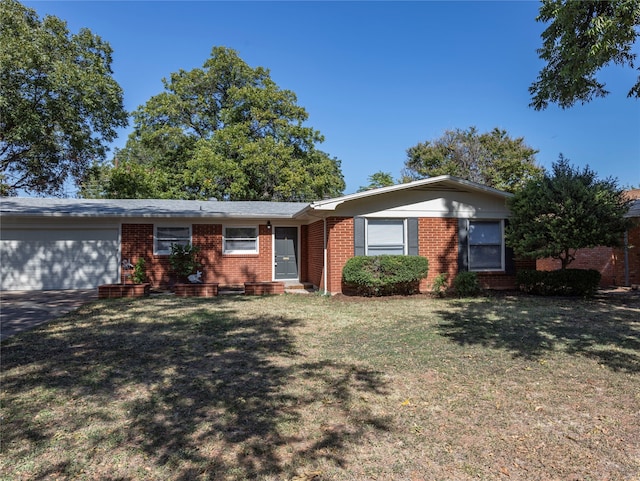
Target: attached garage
[(58, 258)]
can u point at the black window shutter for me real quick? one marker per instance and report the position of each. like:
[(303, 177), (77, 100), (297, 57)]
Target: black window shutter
[(358, 236), (463, 245), (509, 256), (412, 233)]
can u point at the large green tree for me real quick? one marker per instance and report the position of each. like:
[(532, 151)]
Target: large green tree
[(59, 104), (582, 38), (566, 210), (493, 158), (227, 131)]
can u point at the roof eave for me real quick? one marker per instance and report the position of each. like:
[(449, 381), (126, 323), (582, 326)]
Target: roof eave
[(332, 204)]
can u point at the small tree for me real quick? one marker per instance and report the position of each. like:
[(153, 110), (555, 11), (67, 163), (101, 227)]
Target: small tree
[(183, 260), (564, 211), (139, 275)]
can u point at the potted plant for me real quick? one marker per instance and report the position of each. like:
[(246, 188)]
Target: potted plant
[(138, 287), (183, 260), (139, 275)]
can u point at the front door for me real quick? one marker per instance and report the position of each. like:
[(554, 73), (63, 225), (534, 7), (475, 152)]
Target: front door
[(286, 252)]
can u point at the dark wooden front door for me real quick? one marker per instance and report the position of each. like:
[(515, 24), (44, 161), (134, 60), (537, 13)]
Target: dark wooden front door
[(286, 252)]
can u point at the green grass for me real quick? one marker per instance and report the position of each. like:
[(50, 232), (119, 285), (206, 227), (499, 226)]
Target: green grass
[(309, 387)]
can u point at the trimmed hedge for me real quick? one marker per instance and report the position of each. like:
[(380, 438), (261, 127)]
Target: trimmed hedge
[(385, 275), (563, 282)]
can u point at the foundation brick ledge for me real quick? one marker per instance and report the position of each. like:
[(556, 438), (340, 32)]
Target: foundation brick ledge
[(111, 291), (196, 290), (262, 288)]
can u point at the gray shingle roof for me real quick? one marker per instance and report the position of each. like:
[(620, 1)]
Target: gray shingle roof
[(23, 206)]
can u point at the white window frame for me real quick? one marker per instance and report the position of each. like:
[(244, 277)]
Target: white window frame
[(241, 251), (179, 240), (502, 245), (405, 246)]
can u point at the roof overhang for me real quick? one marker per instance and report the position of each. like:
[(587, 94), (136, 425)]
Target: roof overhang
[(440, 183), (147, 208)]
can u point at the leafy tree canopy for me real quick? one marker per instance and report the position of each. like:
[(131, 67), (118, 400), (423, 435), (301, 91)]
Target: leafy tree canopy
[(566, 210), (378, 179), (59, 104), (582, 38), (226, 131), (492, 158)]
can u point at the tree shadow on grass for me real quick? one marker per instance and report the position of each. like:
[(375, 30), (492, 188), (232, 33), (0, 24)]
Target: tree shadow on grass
[(208, 392), (605, 330)]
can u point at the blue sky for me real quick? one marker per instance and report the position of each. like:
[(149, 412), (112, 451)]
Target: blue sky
[(376, 77)]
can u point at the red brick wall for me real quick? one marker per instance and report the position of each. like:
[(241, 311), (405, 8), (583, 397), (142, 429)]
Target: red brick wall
[(315, 256), (609, 261), (438, 242), (339, 250), (234, 270), (209, 238), (634, 255), (137, 240), (602, 259)]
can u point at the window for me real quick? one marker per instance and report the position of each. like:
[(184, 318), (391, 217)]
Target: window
[(240, 240), (165, 236), (486, 246), (385, 236)]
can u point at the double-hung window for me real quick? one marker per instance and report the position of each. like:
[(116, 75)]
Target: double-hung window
[(240, 240), (166, 236), (386, 236), (486, 245)]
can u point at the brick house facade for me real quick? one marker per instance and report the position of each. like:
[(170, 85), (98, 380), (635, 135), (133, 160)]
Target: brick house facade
[(457, 225)]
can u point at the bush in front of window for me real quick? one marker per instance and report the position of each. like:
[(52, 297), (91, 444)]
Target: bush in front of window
[(183, 260), (563, 282), (466, 284), (385, 275)]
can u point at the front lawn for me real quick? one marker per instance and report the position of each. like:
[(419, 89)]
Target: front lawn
[(308, 387)]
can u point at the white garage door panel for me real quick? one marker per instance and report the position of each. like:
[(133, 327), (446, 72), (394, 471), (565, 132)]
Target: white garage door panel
[(58, 258)]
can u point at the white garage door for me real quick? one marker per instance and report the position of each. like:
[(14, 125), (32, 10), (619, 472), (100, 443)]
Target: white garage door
[(33, 259)]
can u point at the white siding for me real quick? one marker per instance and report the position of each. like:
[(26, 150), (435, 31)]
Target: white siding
[(428, 203), (66, 258)]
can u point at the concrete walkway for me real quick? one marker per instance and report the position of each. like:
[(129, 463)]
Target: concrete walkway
[(22, 310)]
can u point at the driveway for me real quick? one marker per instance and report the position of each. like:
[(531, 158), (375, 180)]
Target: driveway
[(22, 310)]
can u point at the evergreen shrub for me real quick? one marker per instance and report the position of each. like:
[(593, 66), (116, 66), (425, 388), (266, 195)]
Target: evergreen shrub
[(466, 284), (385, 275), (563, 282)]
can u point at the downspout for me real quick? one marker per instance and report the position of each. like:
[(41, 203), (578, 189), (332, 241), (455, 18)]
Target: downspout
[(626, 257), (324, 261)]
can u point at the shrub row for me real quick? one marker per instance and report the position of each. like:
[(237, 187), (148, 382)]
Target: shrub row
[(385, 275), (564, 282), (400, 275)]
